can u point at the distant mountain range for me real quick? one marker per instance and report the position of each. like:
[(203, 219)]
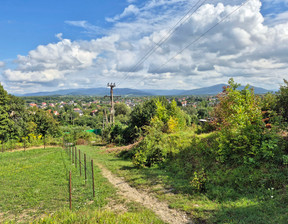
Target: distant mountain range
[(212, 90)]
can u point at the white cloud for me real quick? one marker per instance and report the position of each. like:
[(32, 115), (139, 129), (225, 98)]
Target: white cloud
[(273, 19), (89, 28), (2, 64), (59, 36), (241, 46), (130, 10)]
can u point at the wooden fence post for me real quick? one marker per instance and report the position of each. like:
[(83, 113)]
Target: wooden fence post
[(72, 155), (75, 157), (80, 161), (69, 153), (70, 190), (85, 168), (93, 185)]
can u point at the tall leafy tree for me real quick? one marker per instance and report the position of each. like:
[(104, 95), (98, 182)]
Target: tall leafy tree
[(238, 116), (4, 115), (282, 97), (18, 116)]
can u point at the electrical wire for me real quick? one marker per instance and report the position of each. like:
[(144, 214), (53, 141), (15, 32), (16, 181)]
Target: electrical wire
[(164, 39), (197, 39)]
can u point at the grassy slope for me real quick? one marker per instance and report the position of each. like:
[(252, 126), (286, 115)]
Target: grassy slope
[(222, 203), (34, 184)]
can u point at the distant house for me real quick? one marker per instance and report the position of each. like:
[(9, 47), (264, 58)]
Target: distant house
[(33, 105), (93, 112), (184, 103), (56, 113), (43, 105), (77, 110)]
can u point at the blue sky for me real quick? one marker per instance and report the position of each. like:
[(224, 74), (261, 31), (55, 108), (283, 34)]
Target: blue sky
[(50, 45)]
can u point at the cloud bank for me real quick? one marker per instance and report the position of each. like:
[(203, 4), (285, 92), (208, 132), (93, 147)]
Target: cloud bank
[(198, 53)]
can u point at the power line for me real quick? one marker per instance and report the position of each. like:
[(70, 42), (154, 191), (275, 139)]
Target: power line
[(197, 39), (165, 38)]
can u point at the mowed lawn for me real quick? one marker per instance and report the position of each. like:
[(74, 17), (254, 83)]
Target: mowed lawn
[(35, 183)]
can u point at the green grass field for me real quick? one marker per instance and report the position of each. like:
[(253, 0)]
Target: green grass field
[(34, 188)]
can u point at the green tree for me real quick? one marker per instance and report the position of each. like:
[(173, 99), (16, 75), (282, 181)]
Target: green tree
[(121, 109), (46, 124), (282, 98), (18, 116), (143, 113), (238, 116), (5, 122)]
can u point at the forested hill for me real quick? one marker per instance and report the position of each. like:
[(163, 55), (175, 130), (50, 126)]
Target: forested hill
[(211, 90)]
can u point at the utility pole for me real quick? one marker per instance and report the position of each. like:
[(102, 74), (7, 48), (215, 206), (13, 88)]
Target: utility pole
[(112, 85)]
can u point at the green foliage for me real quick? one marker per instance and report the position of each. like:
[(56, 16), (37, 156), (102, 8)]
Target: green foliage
[(199, 180), (285, 159), (94, 122), (142, 113), (73, 133), (242, 136), (5, 122), (139, 159), (46, 124), (169, 118), (282, 103), (121, 109), (117, 132), (157, 148)]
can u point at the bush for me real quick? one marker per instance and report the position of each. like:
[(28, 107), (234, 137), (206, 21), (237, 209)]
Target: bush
[(242, 135), (199, 181)]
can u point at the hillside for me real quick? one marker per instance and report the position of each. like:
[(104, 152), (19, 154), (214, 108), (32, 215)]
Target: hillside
[(211, 90)]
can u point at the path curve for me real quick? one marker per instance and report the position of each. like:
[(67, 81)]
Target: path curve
[(159, 208)]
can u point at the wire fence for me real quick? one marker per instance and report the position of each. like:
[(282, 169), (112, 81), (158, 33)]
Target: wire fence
[(27, 142), (69, 176), (83, 179)]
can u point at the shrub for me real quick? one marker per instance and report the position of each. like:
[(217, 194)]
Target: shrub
[(199, 180), (242, 135)]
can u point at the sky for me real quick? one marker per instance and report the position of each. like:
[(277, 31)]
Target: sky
[(152, 44)]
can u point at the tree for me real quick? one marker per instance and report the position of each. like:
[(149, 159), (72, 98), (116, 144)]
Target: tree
[(46, 124), (282, 98), (5, 122), (18, 116), (143, 113), (121, 109), (242, 136)]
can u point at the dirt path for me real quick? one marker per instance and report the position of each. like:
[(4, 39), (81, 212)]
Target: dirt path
[(121, 148), (159, 208), (31, 148)]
